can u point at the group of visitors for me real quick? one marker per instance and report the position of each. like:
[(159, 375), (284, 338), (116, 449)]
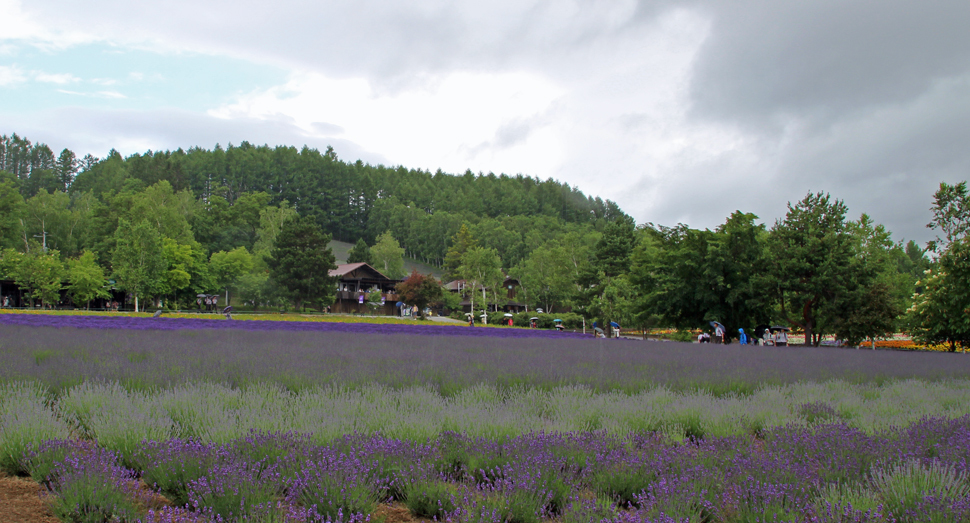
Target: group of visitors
[(774, 336), (210, 302), (613, 328)]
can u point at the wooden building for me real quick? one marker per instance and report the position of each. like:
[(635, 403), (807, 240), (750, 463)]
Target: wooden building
[(355, 281), (509, 304)]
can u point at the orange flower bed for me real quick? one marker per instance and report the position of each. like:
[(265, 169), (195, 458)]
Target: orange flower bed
[(913, 345)]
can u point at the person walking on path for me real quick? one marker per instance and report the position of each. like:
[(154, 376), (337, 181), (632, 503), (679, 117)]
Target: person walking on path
[(719, 333), (742, 337)]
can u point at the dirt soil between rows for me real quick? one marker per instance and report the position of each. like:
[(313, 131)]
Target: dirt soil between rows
[(21, 501)]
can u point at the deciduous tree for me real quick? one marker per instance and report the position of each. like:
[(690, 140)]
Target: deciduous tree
[(137, 261), (941, 311), (388, 256), (39, 273), (460, 243), (86, 279), (481, 268), (226, 267), (419, 290)]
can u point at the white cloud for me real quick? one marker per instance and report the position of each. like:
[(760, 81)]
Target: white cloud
[(11, 75), (19, 24), (436, 123), (60, 79), (114, 95)]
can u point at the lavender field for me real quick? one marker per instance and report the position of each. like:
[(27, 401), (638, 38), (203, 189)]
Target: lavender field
[(241, 423), (295, 358), (819, 473)]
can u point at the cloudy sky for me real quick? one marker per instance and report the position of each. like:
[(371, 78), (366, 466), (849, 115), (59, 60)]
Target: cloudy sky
[(680, 111)]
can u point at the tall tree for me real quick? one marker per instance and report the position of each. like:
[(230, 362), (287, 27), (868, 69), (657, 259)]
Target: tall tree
[(137, 261), (885, 287), (271, 221), (66, 169), (180, 261), (388, 256), (546, 275), (481, 268), (301, 263), (86, 279), (11, 210), (360, 253), (939, 311), (227, 267), (735, 259), (811, 264), (460, 243), (611, 258), (40, 273), (48, 220)]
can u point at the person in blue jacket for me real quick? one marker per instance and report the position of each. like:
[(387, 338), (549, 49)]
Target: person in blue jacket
[(742, 337)]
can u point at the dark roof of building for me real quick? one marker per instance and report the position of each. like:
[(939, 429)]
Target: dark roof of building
[(458, 284), (454, 285), (358, 271)]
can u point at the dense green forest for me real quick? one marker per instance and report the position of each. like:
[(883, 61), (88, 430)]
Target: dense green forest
[(205, 204), (348, 200), (165, 226)]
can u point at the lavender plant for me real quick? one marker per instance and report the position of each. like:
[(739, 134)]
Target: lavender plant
[(234, 490), (428, 498), (26, 421), (41, 463), (337, 488), (89, 486), (171, 466), (902, 487), (119, 419)]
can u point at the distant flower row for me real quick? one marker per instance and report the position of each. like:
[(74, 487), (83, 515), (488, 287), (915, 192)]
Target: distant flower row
[(343, 324)]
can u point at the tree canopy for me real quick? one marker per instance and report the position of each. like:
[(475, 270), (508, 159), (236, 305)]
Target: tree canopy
[(301, 263)]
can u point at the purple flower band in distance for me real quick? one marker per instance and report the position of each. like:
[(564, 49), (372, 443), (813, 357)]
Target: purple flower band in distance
[(107, 322)]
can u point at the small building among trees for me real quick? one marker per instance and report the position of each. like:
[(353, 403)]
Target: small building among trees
[(363, 289), (503, 299)]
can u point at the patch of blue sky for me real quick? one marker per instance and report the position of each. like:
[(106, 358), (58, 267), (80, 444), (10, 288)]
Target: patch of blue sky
[(103, 76)]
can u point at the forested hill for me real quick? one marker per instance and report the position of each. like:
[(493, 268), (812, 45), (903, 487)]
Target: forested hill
[(351, 201)]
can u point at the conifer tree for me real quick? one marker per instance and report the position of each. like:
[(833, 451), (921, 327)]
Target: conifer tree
[(360, 253)]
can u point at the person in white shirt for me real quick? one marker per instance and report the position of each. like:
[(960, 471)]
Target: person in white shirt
[(781, 339), (718, 333)]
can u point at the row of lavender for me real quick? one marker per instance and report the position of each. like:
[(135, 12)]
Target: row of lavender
[(60, 357), (830, 473), (162, 323), (119, 418)]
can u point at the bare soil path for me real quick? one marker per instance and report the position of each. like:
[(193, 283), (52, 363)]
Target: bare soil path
[(21, 501)]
